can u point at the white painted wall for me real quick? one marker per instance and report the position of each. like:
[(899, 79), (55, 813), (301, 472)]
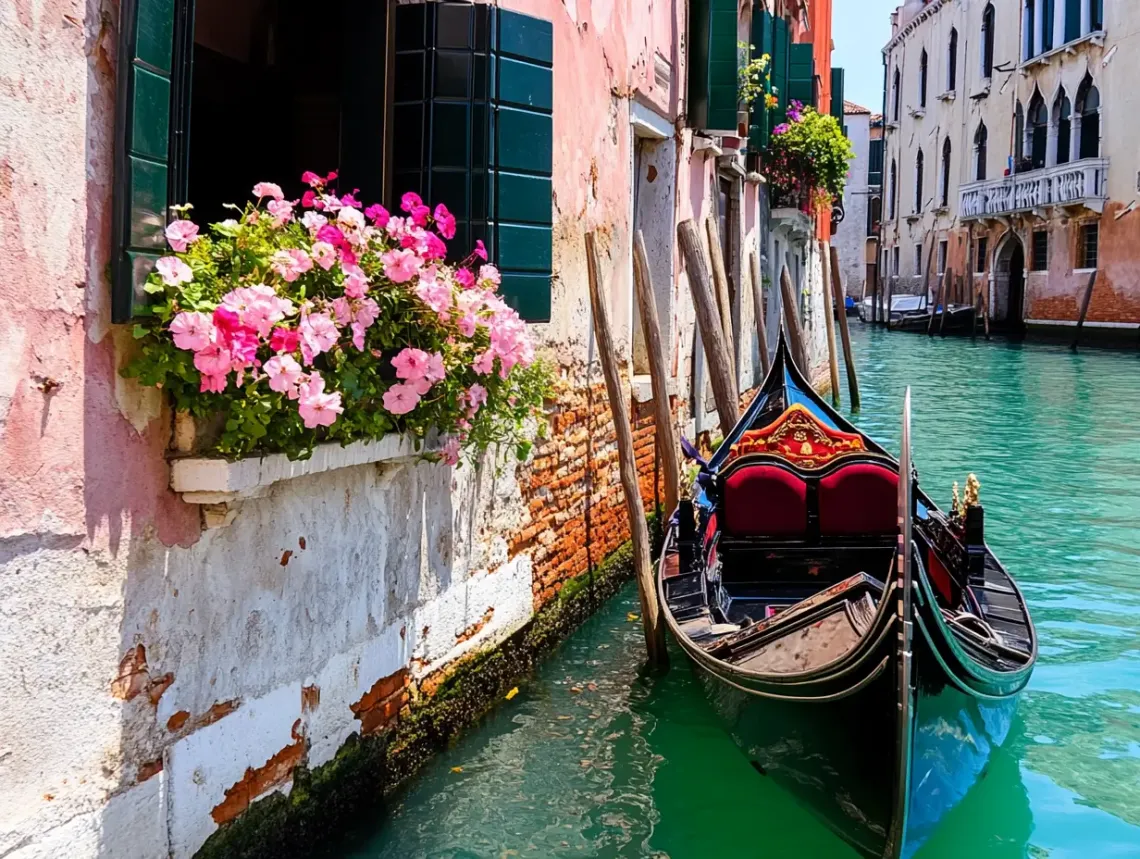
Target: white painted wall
[(851, 237)]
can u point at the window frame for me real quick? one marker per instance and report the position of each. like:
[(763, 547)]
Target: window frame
[(980, 252), (1038, 249), (943, 256), (952, 61), (1084, 231)]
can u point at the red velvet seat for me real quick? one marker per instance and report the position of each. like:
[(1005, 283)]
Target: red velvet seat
[(861, 498), (764, 501)]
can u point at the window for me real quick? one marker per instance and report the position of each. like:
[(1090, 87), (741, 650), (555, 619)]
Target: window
[(1047, 25), (952, 62), (894, 189), (1096, 15), (980, 256), (944, 194), (1063, 123), (1039, 258), (1038, 132), (1018, 135), (917, 260), (897, 96), (200, 63), (1089, 241), (874, 216), (1073, 19), (923, 75), (1028, 27), (987, 52), (895, 263), (981, 137), (919, 164), (1088, 108), (943, 249)]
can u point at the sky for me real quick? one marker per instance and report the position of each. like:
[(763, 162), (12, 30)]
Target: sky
[(860, 29)]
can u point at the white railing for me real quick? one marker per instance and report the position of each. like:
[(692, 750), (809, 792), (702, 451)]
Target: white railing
[(1081, 182)]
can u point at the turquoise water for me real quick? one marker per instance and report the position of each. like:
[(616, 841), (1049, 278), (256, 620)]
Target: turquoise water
[(593, 758)]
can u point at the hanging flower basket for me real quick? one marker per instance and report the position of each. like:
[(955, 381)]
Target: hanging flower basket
[(808, 160), (315, 320)]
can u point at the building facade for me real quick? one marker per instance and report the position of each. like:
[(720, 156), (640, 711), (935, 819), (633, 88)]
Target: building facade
[(857, 236), (171, 657), (1010, 158)]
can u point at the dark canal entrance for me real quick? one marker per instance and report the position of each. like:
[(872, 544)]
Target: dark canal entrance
[(592, 760)]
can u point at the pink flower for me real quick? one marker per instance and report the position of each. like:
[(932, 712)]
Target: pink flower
[(444, 222), (291, 263), (332, 175), (366, 313), (268, 189), (192, 331), (281, 210), (467, 324), (324, 255), (476, 396), (313, 222), (285, 340), (181, 233), (435, 294), (480, 251), (284, 373), (421, 386), (309, 199), (173, 271), (400, 266), (411, 363), (358, 336), (347, 257), (213, 384), (214, 360), (378, 215), (342, 311), (243, 347), (258, 306), (351, 218), (318, 333), (401, 399), (311, 179), (226, 322), (330, 234), (317, 408), (356, 284), (420, 214), (485, 363), (434, 248), (434, 372), (465, 278), (449, 453), (410, 200), (350, 199), (489, 276)]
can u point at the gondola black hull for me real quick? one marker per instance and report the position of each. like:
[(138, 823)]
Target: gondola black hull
[(958, 320)]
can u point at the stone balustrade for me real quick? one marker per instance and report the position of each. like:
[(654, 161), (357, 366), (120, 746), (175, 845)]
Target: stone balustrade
[(1083, 182)]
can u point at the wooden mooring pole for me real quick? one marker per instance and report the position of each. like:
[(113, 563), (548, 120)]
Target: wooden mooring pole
[(758, 302), (844, 333), (712, 335), (627, 465), (667, 442), (723, 300), (1084, 310), (792, 321), (829, 322), (937, 301)]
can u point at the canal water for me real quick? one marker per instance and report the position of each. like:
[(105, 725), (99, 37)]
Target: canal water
[(592, 758)]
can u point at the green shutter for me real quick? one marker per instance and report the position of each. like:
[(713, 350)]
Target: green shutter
[(142, 149), (837, 79), (781, 56), (1072, 19), (524, 148), (760, 130), (713, 63), (801, 74), (474, 99)]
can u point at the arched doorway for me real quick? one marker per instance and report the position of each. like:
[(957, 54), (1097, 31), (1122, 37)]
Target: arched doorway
[(1009, 286)]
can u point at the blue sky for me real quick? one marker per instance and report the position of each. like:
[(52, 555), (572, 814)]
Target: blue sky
[(859, 30)]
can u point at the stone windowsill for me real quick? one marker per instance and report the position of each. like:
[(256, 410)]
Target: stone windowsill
[(949, 95), (1096, 37), (918, 112), (207, 480), (984, 92)]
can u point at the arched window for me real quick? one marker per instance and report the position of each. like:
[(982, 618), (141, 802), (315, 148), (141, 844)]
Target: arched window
[(1038, 131), (987, 52), (952, 62), (944, 194), (1063, 123), (875, 216), (897, 96), (1088, 109), (1018, 135), (923, 76), (981, 139), (919, 164), (894, 190)]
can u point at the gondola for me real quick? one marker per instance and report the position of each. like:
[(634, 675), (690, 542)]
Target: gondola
[(959, 319), (865, 648)]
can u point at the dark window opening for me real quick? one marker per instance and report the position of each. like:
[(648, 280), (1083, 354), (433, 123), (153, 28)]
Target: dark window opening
[(1039, 258), (1018, 135), (923, 74), (943, 249), (895, 108), (952, 62), (944, 197), (894, 190), (988, 41), (1088, 106), (980, 256), (981, 138), (1038, 132), (1030, 19), (874, 216), (1096, 16), (1063, 111), (266, 105), (1089, 246), (919, 164), (1047, 33)]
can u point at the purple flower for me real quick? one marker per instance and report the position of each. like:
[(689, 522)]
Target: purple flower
[(780, 129)]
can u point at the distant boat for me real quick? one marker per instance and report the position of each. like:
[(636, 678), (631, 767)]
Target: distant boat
[(900, 304), (959, 320), (866, 648)]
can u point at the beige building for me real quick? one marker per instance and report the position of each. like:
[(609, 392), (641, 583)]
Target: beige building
[(1011, 157)]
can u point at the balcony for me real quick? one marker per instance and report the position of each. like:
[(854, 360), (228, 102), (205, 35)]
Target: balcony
[(1079, 183)]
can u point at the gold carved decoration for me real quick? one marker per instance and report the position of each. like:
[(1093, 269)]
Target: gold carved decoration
[(973, 487), (799, 437)]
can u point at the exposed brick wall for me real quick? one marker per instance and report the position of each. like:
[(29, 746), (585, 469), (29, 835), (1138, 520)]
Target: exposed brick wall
[(554, 487)]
